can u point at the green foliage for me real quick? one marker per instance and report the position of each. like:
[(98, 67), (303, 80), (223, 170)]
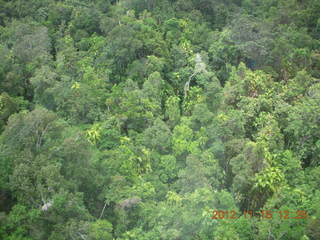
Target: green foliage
[(136, 119), (173, 110), (269, 179), (101, 230), (158, 137)]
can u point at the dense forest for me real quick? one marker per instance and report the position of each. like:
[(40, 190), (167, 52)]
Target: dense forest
[(143, 119)]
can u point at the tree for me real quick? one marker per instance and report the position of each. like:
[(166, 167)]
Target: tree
[(158, 137), (44, 169), (302, 127), (244, 167), (101, 230), (253, 38), (193, 176)]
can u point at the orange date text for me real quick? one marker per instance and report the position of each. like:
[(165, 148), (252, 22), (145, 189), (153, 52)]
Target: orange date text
[(262, 214)]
